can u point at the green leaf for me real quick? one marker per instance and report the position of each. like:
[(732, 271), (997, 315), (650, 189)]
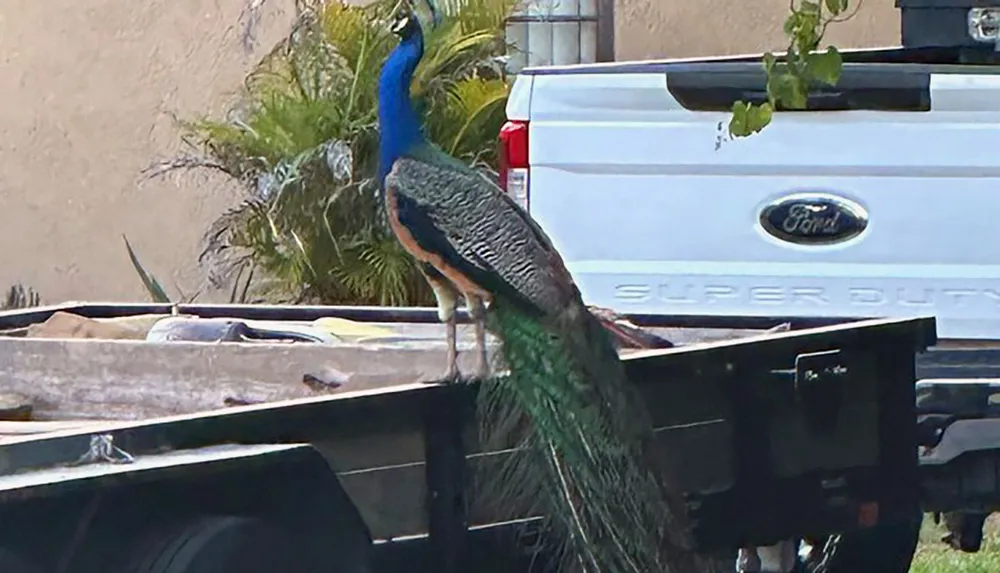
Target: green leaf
[(789, 80), (470, 101), (787, 90), (759, 117), (825, 66), (809, 8), (791, 24), (836, 7), (749, 119), (807, 36), (769, 60), (156, 292), (738, 122)]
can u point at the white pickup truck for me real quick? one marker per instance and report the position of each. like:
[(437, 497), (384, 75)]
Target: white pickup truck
[(882, 199)]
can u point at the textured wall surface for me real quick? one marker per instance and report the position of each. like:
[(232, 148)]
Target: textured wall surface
[(90, 87), (685, 28)]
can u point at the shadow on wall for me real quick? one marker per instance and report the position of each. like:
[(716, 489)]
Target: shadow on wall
[(681, 29)]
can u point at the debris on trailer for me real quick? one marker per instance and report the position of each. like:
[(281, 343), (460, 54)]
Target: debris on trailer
[(69, 325)]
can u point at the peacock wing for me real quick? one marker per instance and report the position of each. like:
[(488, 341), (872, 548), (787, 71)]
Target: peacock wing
[(474, 228)]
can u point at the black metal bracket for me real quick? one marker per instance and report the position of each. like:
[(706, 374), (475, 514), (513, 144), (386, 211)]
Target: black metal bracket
[(447, 514), (818, 389)]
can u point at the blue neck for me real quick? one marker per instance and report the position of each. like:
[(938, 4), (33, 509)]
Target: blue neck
[(399, 126)]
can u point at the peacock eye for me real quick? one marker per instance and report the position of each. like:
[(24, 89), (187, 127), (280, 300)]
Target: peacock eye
[(400, 24)]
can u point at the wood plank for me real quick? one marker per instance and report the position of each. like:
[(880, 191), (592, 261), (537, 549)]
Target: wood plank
[(348, 416), (10, 429), (133, 380)]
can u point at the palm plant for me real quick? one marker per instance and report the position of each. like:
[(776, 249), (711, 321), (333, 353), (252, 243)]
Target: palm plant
[(302, 144), (18, 297)]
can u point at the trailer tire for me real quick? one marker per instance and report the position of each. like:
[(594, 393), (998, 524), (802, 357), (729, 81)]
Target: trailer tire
[(218, 545), (885, 548), (11, 562)]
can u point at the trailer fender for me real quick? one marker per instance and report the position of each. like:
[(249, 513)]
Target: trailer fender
[(290, 487)]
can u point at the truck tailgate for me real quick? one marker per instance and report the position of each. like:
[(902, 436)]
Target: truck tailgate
[(885, 203)]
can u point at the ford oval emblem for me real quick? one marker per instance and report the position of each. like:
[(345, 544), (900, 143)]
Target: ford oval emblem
[(814, 219)]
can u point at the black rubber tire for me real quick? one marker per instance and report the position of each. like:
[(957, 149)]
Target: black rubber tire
[(218, 545), (722, 562), (885, 548), (11, 562)]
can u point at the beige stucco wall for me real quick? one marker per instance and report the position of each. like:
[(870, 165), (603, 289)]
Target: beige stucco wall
[(685, 28), (89, 87)]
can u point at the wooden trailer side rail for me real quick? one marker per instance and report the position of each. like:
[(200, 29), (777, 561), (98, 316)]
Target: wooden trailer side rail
[(22, 318)]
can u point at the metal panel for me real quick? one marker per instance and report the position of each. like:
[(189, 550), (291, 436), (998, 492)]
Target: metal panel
[(556, 32), (716, 86)]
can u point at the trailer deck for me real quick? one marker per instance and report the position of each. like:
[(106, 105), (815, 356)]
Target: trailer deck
[(404, 452), (68, 376)]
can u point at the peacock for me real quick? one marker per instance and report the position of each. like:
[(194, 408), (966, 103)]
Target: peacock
[(403, 149), (580, 436)]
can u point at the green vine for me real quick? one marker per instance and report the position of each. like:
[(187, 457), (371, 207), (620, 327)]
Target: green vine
[(788, 79)]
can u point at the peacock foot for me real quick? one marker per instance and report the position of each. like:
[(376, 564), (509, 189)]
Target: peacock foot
[(451, 373), (482, 370)]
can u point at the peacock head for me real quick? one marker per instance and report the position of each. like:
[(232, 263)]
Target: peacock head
[(408, 20), (405, 26)]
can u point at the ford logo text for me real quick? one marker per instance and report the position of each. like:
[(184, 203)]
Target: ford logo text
[(814, 219)]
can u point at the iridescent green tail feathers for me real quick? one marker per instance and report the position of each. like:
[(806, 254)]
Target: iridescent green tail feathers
[(579, 439)]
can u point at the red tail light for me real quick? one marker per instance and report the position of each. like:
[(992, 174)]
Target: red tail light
[(513, 157)]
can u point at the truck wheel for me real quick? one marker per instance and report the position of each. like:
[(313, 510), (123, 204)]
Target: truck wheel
[(218, 545), (885, 548), (11, 562)]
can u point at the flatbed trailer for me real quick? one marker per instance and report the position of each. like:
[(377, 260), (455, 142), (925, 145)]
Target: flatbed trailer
[(801, 433)]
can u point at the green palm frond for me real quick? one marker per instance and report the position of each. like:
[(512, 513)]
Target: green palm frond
[(475, 102), (312, 224), (152, 286), (381, 273), (479, 15)]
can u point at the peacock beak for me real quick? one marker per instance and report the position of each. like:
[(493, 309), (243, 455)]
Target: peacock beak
[(400, 25)]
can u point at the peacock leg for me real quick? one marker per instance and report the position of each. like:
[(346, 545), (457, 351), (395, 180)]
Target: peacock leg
[(477, 312), (447, 303), (452, 340)]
